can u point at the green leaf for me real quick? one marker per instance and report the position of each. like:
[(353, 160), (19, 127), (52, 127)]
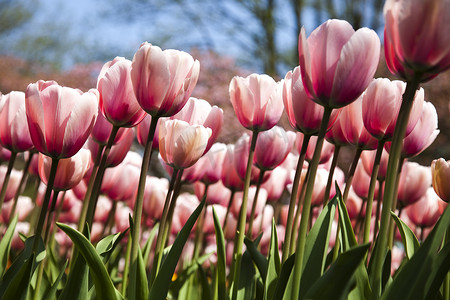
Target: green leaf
[(286, 270), (103, 283), (11, 274), (422, 274), (162, 281), (247, 279), (259, 259), (221, 259), (18, 287), (410, 241), (187, 272), (142, 283), (148, 245), (107, 245), (51, 294), (317, 246), (205, 288), (337, 281), (274, 265), (5, 245), (77, 285)]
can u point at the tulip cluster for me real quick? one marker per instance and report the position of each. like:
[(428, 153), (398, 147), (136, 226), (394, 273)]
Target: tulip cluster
[(264, 211)]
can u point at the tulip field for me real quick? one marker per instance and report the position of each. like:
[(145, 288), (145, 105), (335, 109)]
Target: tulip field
[(272, 215)]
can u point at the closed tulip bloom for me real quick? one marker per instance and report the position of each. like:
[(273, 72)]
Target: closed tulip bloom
[(5, 154), (241, 152), (352, 124), (118, 151), (13, 183), (154, 196), (163, 80), (257, 101), (237, 202), (336, 135), (276, 184), (208, 169), (425, 212), (230, 177), (14, 132), (217, 193), (381, 104), (368, 158), (142, 130), (413, 183), (102, 130), (181, 144), (60, 119), (117, 99), (304, 114), (24, 207), (440, 173), (416, 39), (337, 63), (70, 170), (272, 147), (325, 155), (199, 111)]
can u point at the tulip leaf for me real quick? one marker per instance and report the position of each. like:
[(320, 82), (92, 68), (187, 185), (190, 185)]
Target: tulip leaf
[(247, 279), (107, 245), (187, 272), (274, 265), (160, 286), (338, 280), (103, 284), (423, 274), (51, 293), (317, 246), (348, 241), (148, 245), (18, 287), (410, 241), (5, 245), (281, 287), (221, 259), (259, 259)]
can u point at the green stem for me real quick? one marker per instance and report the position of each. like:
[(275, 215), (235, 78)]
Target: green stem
[(51, 241), (293, 199), (50, 216), (126, 268), (255, 202), (446, 284), (21, 184), (301, 198), (198, 240), (326, 197), (371, 193), (44, 208), (389, 190), (161, 229), (138, 206), (348, 184), (230, 202), (394, 205), (377, 213), (99, 178), (301, 239), (110, 220), (90, 186), (240, 233), (6, 179)]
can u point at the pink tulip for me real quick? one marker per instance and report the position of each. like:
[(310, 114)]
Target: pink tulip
[(163, 80), (70, 170), (241, 152), (353, 204), (413, 183), (217, 193), (276, 184), (272, 147), (118, 151), (186, 204), (336, 134), (416, 49), (13, 183), (21, 227), (14, 132), (352, 124), (200, 112), (5, 154), (181, 144), (304, 114), (122, 217), (230, 177), (325, 155), (381, 104), (337, 63), (368, 158), (103, 208), (208, 169), (425, 212), (102, 130), (24, 207), (117, 99), (154, 196), (440, 172), (237, 202), (142, 130), (208, 226), (257, 101), (60, 119)]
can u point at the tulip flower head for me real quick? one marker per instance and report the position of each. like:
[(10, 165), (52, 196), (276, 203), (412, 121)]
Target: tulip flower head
[(440, 173)]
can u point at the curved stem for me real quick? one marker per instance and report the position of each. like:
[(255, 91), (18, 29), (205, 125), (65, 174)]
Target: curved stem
[(138, 206), (44, 208), (389, 189), (90, 185), (242, 218), (301, 239), (293, 199), (230, 202), (6, 179), (255, 200), (21, 184), (326, 196), (99, 178), (371, 193)]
